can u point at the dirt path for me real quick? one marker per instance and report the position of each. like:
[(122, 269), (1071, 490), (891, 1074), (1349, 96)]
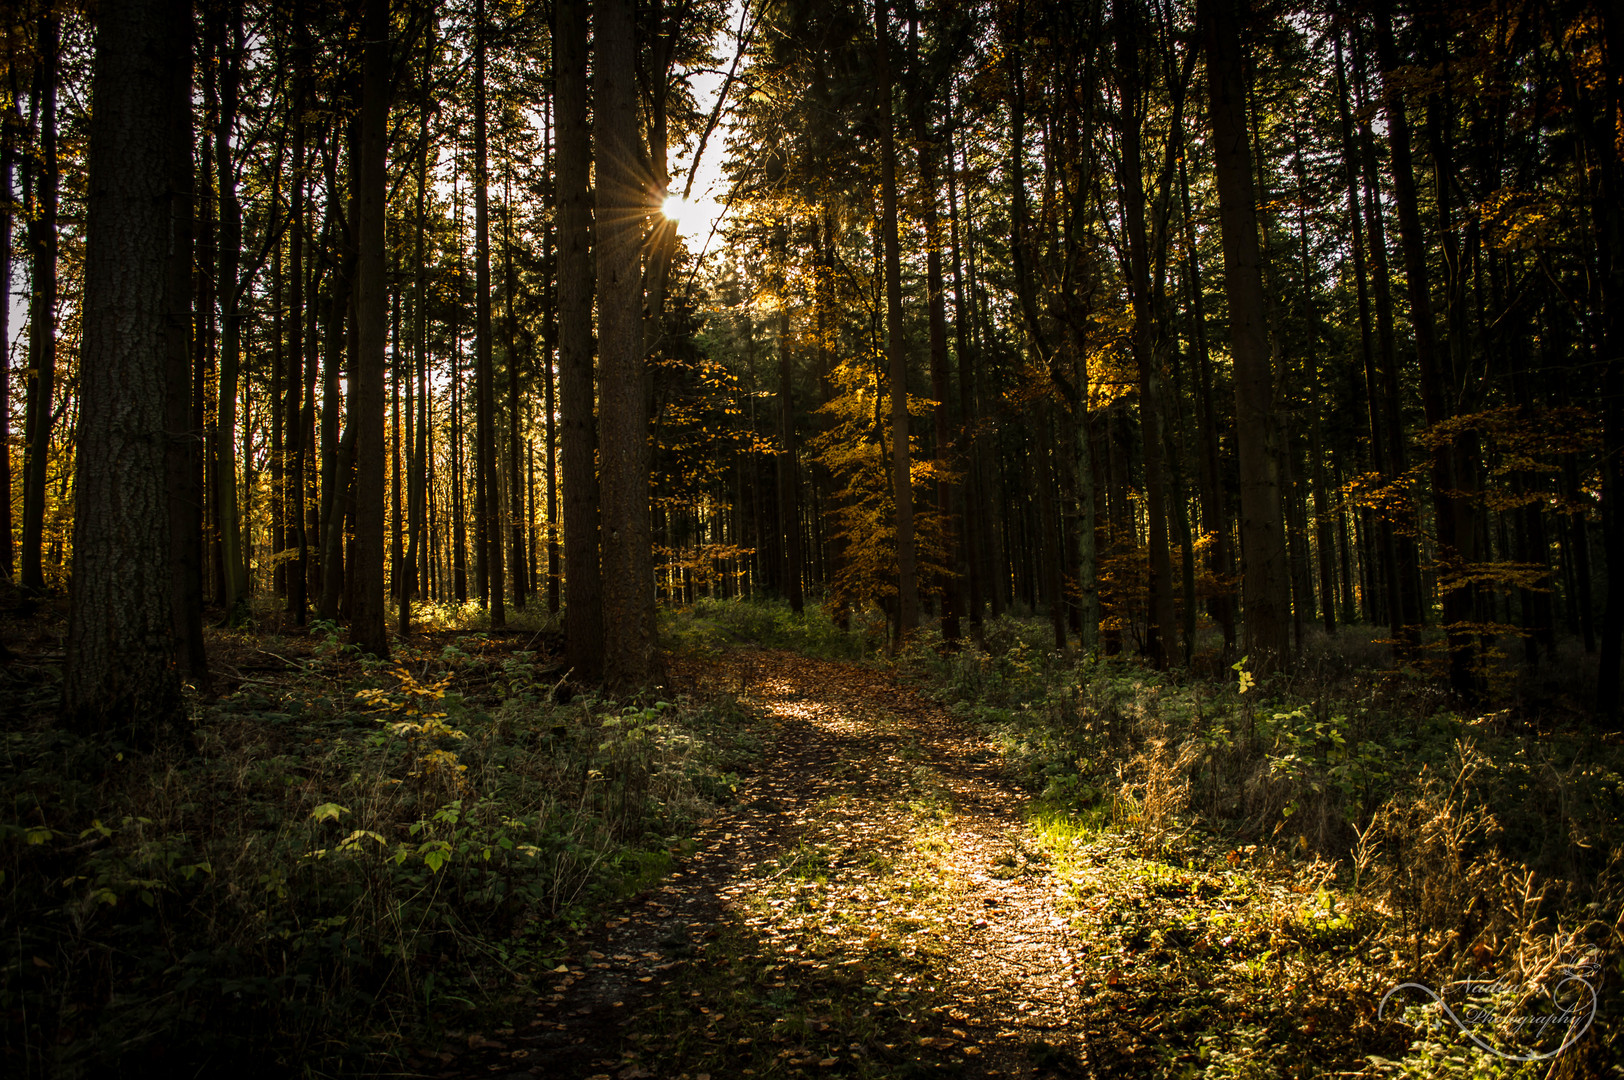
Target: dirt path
[(867, 908)]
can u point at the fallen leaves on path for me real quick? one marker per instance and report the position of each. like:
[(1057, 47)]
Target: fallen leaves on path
[(870, 906)]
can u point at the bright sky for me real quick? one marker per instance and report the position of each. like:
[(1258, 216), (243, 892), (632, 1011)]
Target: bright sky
[(705, 205), (695, 219)]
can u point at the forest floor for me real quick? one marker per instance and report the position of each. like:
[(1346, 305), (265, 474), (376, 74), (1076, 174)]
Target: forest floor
[(884, 900), (872, 905), (992, 861)]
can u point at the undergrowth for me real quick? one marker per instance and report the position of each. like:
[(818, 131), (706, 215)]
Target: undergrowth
[(346, 851), (709, 626), (1281, 851)]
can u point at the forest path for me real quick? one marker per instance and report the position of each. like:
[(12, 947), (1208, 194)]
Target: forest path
[(868, 907)]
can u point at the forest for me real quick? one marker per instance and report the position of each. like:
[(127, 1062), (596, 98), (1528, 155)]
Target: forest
[(469, 462)]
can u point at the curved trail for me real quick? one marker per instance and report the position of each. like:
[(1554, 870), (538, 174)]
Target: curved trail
[(868, 907)]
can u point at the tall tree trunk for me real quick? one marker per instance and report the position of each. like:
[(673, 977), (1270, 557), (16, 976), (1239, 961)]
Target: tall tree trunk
[(1451, 514), (896, 348), (516, 481), (1266, 580), (234, 579), (1607, 225), (10, 134), (630, 656), (948, 585), (181, 451), (1214, 515), (487, 501), (1131, 182), (398, 369), (788, 478), (367, 626), (583, 614), (1387, 544), (970, 505), (417, 425), (120, 677), (42, 247)]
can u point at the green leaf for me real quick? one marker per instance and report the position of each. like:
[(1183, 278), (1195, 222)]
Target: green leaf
[(329, 811)]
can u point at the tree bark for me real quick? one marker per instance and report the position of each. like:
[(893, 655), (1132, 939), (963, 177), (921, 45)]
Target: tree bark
[(1451, 514), (367, 624), (896, 348), (1131, 183), (10, 132), (516, 479), (234, 571), (630, 656), (583, 614), (42, 247), (120, 678), (1266, 580), (182, 453), (487, 497)]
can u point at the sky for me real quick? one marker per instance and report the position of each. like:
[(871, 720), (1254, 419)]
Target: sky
[(706, 204)]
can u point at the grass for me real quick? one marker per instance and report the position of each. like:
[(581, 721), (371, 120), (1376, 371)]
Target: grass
[(1258, 868), (347, 851), (350, 857)]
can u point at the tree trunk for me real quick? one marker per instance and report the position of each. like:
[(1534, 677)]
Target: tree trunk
[(1387, 544), (630, 656), (1266, 571), (367, 624), (550, 340), (487, 501), (42, 247), (234, 571), (10, 132), (516, 480), (583, 615), (1451, 515), (970, 504), (896, 348), (948, 586), (120, 677), (1131, 183), (181, 452)]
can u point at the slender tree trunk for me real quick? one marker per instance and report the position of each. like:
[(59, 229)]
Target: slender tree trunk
[(583, 613), (1131, 182), (10, 133), (120, 677), (398, 368), (1450, 514), (1386, 542), (418, 434), (970, 504), (788, 477), (42, 246), (487, 497), (516, 482), (896, 347), (949, 584), (1266, 575), (234, 571), (181, 451)]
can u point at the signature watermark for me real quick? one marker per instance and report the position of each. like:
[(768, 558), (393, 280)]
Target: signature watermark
[(1567, 1005)]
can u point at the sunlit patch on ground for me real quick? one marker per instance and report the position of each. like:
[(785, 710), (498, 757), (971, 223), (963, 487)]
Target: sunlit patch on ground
[(870, 908)]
